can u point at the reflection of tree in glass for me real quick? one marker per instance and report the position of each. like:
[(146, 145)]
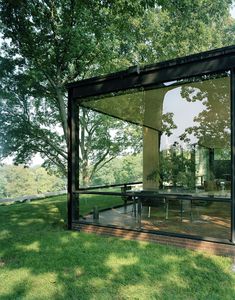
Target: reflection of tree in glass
[(131, 106), (212, 125), (168, 124), (127, 106)]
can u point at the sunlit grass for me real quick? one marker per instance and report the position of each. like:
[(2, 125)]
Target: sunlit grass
[(40, 259)]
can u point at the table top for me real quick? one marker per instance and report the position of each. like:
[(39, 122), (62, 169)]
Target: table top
[(220, 196)]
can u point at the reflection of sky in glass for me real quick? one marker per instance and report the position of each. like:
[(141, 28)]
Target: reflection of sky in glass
[(147, 108), (184, 114)]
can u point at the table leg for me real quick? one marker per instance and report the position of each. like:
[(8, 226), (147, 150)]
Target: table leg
[(149, 211), (125, 206), (181, 210), (134, 206), (191, 210), (139, 208), (166, 209)]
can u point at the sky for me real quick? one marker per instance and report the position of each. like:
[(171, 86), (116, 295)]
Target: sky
[(232, 12), (184, 112), (183, 115)]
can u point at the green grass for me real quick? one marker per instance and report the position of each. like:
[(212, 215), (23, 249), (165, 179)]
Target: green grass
[(87, 202), (40, 259)]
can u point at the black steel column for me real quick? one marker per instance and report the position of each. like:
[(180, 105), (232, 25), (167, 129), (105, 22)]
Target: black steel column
[(73, 160), (70, 176), (233, 155)]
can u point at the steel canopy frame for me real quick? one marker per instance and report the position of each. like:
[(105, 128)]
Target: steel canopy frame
[(205, 63)]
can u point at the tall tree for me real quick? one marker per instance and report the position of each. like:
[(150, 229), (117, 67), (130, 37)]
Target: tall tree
[(47, 44)]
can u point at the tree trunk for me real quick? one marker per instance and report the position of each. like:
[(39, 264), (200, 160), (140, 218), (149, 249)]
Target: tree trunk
[(85, 174), (63, 113), (83, 151)]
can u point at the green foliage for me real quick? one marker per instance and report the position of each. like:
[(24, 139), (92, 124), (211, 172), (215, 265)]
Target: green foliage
[(214, 93), (181, 28), (50, 43), (178, 166), (102, 139), (18, 181), (47, 46), (120, 170)]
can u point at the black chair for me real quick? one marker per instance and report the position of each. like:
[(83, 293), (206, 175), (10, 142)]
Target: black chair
[(154, 202), (126, 198)]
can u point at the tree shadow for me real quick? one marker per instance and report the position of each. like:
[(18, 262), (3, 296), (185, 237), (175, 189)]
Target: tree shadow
[(40, 259)]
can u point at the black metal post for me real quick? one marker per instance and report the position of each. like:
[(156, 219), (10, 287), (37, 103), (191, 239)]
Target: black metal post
[(70, 176), (139, 212), (166, 208), (233, 155), (73, 160)]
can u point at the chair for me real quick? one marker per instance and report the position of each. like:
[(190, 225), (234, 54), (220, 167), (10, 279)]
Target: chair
[(155, 202), (126, 198)]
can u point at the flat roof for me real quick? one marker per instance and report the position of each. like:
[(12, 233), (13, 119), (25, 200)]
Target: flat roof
[(203, 63)]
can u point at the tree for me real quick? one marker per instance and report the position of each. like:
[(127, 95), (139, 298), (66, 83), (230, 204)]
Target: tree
[(102, 138), (18, 181), (48, 46), (212, 127), (178, 166), (120, 170), (50, 43)]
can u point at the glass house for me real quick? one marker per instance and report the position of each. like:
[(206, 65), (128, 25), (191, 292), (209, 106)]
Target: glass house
[(152, 148)]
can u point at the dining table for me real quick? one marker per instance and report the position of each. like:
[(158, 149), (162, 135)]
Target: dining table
[(154, 197)]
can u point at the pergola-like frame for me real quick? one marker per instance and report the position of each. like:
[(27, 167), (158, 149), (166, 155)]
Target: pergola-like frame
[(205, 63)]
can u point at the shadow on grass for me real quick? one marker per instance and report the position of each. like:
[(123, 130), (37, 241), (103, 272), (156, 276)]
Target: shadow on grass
[(41, 260)]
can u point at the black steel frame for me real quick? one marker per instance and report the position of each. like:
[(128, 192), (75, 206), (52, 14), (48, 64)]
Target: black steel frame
[(215, 61)]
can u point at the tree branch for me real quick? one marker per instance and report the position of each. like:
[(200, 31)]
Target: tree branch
[(99, 162)]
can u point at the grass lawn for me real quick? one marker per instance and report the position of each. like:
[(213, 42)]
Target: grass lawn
[(87, 203), (40, 259)]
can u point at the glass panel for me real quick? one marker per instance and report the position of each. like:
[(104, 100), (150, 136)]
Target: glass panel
[(199, 218), (109, 150), (175, 139), (106, 209)]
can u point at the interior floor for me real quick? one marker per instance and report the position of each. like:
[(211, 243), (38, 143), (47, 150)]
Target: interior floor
[(205, 221)]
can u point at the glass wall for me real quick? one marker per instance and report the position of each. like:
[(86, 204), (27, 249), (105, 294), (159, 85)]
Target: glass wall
[(161, 157)]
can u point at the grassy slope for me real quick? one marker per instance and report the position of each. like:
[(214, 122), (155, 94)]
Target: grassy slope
[(39, 259)]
